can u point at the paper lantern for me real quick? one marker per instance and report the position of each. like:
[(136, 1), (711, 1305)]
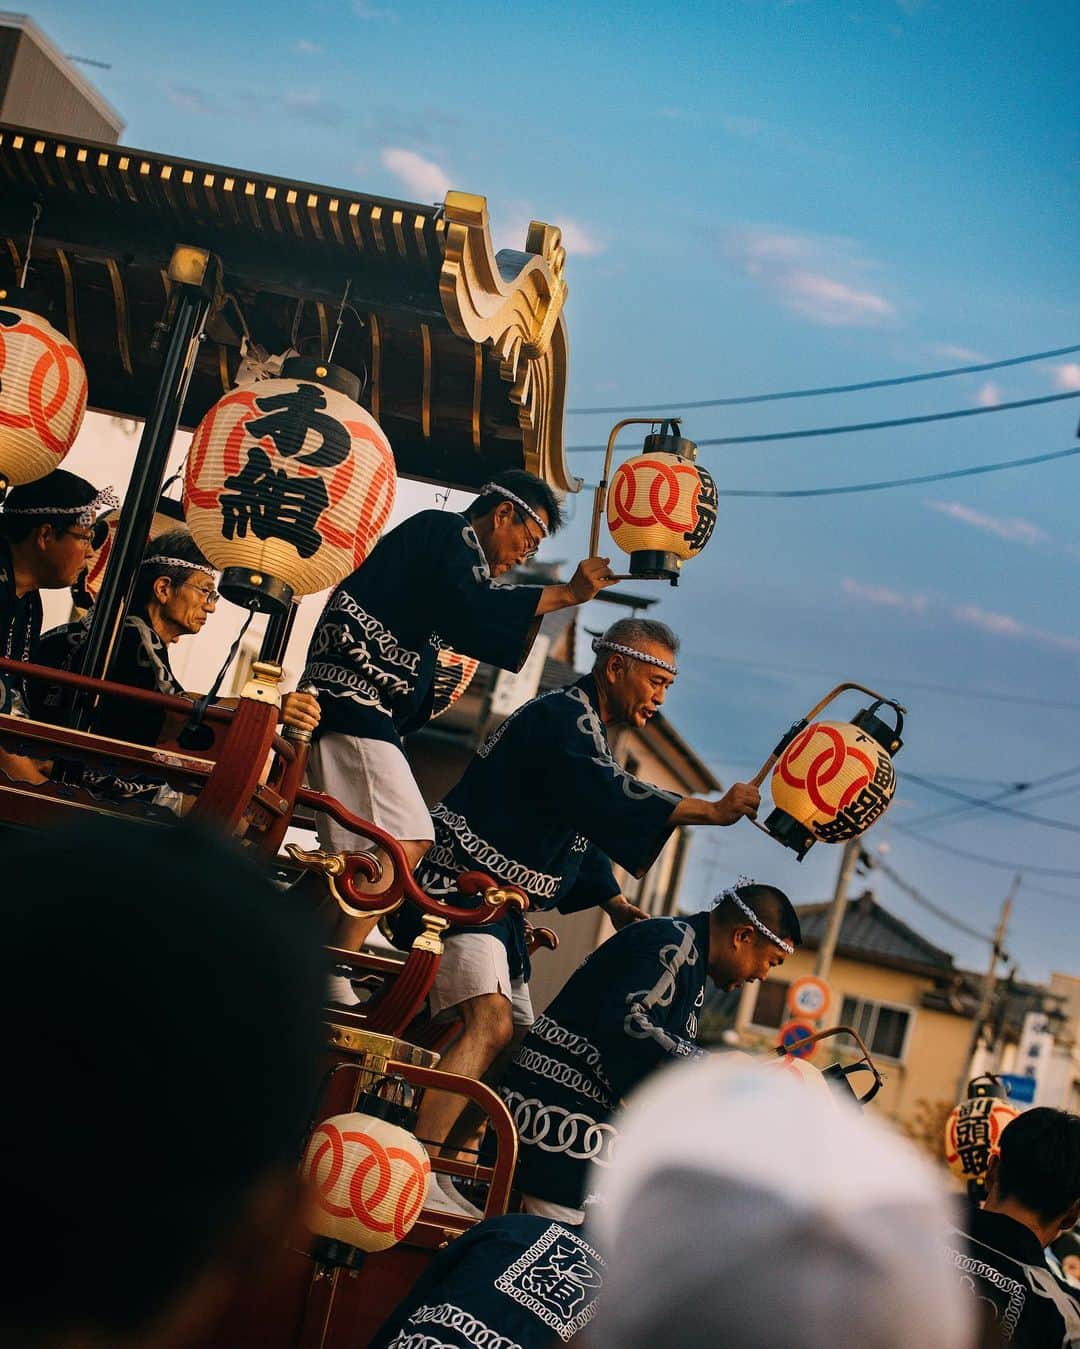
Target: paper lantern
[(972, 1133), (833, 779), (802, 1071), (369, 1179), (289, 483), (661, 507), (453, 675), (42, 395)]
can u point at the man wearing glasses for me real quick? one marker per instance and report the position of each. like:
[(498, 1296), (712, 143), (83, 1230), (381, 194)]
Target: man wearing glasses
[(372, 658)]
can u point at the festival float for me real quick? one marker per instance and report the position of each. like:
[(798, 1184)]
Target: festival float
[(142, 285)]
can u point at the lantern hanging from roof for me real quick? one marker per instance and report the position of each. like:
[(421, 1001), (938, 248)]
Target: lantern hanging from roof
[(43, 392), (661, 506), (288, 484), (973, 1129), (369, 1178), (832, 779)]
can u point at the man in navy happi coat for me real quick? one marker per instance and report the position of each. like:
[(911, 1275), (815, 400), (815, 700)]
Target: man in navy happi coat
[(630, 1008), (544, 796), (515, 1282), (372, 658)]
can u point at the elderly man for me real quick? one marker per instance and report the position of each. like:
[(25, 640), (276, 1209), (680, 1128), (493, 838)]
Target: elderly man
[(373, 655), (46, 535), (630, 1008), (543, 796), (173, 597)]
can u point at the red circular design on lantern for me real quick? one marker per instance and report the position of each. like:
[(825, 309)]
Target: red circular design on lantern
[(43, 392), (661, 502), (835, 779)]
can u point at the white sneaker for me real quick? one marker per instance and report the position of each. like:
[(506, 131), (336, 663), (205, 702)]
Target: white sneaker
[(340, 991), (446, 1184), (438, 1200)]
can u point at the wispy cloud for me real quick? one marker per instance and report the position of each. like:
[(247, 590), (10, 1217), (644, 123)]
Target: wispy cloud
[(510, 226), (1067, 376), (884, 597), (305, 48), (1014, 529), (578, 240), (310, 106), (989, 395), (1005, 625), (186, 99), (421, 176), (953, 353), (819, 278), (745, 128)]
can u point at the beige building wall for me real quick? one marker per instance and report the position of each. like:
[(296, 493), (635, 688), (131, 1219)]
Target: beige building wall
[(935, 1049)]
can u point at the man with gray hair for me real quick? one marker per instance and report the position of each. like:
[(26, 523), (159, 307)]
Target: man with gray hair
[(543, 805)]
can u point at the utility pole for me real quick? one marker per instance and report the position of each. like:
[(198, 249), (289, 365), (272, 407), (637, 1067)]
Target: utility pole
[(989, 982), (827, 949)]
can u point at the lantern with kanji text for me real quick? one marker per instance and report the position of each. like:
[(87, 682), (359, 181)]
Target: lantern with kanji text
[(43, 392), (661, 505), (831, 780), (289, 483), (973, 1130)]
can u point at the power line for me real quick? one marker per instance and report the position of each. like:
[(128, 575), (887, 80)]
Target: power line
[(920, 898), (890, 483), (990, 804), (861, 426), (830, 389), (1014, 789), (1036, 870)]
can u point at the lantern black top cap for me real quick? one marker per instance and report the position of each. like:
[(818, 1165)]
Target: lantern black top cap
[(335, 377), (670, 440)]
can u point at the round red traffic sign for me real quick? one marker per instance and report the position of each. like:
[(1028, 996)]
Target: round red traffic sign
[(794, 1037), (809, 997)]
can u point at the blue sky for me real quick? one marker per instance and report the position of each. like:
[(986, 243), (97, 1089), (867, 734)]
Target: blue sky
[(757, 195)]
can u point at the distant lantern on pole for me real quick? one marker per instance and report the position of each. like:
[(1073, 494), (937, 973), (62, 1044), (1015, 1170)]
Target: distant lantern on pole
[(43, 391), (973, 1130), (831, 780), (369, 1179), (288, 485), (85, 590), (661, 505)]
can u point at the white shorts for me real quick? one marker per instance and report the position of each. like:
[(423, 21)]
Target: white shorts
[(475, 963), (559, 1213), (372, 778)]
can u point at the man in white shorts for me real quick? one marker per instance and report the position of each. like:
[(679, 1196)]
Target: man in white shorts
[(372, 658)]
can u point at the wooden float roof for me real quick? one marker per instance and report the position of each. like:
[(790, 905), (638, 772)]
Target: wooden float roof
[(463, 351)]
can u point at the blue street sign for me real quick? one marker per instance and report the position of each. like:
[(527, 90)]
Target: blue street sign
[(1021, 1089)]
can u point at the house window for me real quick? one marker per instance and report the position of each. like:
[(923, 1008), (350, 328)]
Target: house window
[(770, 1007), (883, 1028)]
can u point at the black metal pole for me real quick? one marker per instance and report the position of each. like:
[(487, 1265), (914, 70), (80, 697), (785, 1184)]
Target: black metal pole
[(279, 628), (143, 491)]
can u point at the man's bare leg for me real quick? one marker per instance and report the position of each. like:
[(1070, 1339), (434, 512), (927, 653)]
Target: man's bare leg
[(489, 1028), (351, 933)]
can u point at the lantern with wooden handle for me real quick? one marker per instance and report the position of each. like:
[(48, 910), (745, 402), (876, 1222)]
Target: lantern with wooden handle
[(831, 780)]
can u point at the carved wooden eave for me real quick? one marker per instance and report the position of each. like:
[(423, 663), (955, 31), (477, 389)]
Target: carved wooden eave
[(464, 351)]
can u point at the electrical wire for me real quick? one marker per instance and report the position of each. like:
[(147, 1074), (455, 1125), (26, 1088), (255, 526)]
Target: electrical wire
[(1035, 868), (989, 804), (861, 426), (1014, 789), (829, 389), (943, 914)]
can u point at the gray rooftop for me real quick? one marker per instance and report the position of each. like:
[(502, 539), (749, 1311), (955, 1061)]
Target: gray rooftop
[(871, 932)]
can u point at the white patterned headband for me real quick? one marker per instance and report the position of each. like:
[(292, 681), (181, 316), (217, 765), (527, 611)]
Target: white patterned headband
[(179, 563), (106, 499), (767, 932), (601, 644), (521, 505)]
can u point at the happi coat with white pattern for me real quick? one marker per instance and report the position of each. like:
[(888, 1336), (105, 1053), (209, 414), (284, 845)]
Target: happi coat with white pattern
[(544, 805), (632, 1006)]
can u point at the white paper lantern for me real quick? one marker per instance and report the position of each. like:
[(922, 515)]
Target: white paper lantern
[(43, 393), (369, 1179), (289, 483)]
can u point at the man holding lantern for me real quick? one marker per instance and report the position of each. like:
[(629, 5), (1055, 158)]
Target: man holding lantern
[(372, 659), (543, 805)]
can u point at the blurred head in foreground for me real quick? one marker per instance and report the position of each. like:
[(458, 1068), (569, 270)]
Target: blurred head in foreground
[(746, 1210), (156, 1094)]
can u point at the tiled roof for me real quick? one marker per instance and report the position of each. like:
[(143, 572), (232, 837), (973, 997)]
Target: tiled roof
[(870, 931)]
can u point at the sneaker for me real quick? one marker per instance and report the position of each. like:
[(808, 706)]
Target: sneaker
[(446, 1184), (439, 1201)]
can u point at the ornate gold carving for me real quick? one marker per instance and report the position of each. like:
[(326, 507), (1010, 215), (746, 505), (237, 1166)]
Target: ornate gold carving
[(425, 387), (262, 684), (477, 393), (376, 364), (514, 302), (430, 939)]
